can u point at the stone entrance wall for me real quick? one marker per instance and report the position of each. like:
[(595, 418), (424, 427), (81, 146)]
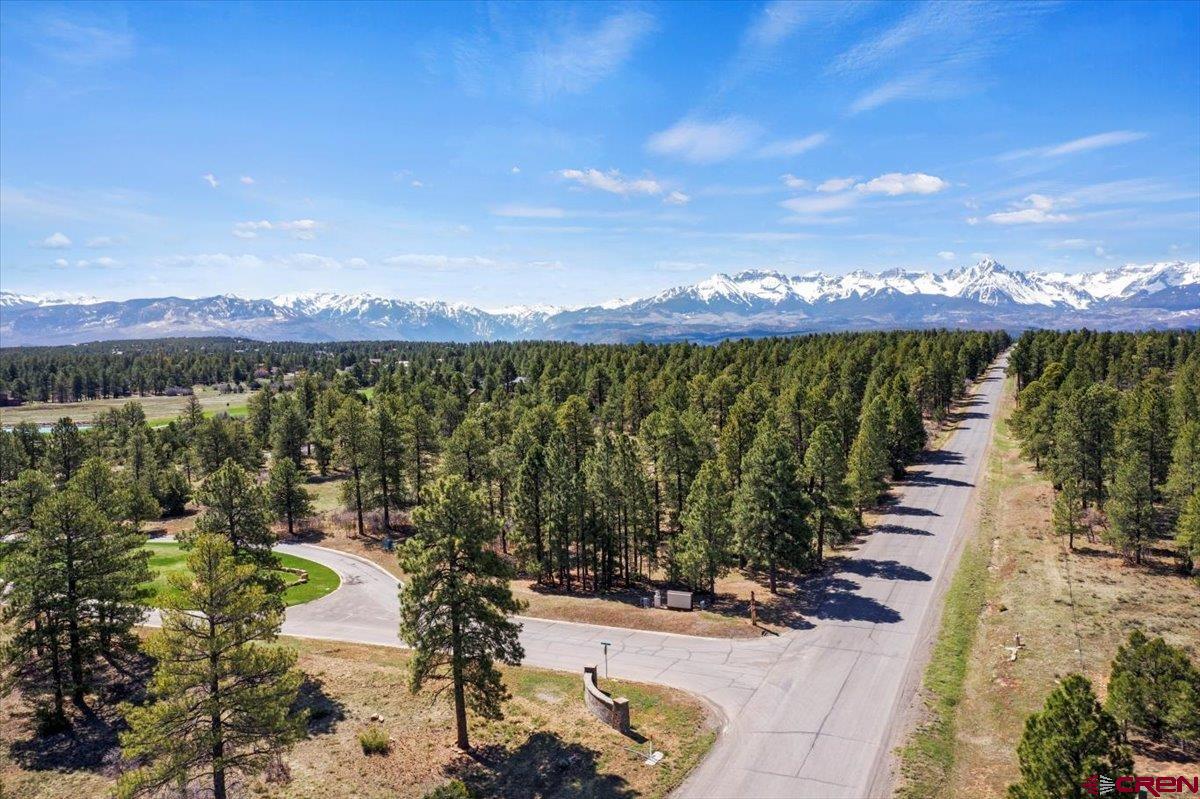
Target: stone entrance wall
[(613, 711)]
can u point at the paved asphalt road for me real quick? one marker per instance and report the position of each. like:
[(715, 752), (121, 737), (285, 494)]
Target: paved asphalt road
[(811, 713)]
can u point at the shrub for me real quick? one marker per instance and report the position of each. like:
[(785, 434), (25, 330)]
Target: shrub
[(374, 740), (450, 790)]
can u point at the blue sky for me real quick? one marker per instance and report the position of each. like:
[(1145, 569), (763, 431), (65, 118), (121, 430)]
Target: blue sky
[(544, 153)]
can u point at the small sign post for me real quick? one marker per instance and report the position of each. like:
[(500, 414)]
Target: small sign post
[(606, 645)]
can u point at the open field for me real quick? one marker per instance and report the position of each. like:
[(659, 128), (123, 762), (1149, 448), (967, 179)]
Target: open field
[(1071, 609), (546, 746), (167, 558), (158, 409)]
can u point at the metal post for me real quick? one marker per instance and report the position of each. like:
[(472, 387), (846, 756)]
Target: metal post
[(606, 645)]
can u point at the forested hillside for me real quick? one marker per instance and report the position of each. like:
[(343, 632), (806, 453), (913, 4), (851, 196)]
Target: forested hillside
[(1114, 418), (602, 463)]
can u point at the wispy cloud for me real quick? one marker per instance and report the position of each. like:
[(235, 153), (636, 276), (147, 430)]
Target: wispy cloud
[(840, 194), (303, 229), (932, 52), (612, 181), (894, 184), (438, 261), (517, 211), (703, 142), (80, 41), (99, 242), (1097, 141), (211, 180), (947, 255), (792, 147), (572, 61)]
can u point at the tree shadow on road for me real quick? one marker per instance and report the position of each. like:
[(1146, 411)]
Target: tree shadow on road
[(886, 569)]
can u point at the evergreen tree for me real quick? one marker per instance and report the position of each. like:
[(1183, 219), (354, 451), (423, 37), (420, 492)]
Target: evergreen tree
[(19, 498), (1183, 479), (351, 435), (454, 608), (65, 450), (221, 697), (825, 471), (1149, 678), (73, 592), (702, 552), (1067, 513), (420, 442), (905, 430), (289, 430), (289, 500), (234, 506), (386, 461), (1132, 517), (769, 508), (260, 412), (530, 511), (1070, 739), (868, 464), (1187, 530)]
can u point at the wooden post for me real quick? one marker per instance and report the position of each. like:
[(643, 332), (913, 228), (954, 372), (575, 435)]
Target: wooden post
[(753, 610)]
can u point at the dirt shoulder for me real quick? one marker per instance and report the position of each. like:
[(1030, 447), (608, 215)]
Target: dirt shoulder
[(547, 745), (1071, 609)]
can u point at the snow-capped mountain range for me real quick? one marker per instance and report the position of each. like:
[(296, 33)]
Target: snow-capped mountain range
[(750, 303)]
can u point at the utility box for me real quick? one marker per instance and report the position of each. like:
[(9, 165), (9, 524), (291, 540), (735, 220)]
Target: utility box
[(679, 600)]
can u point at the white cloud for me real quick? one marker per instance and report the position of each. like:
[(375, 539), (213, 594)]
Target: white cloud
[(793, 182), (947, 255), (820, 204), (896, 183), (529, 212), (103, 262), (836, 184), (246, 180), (62, 263), (98, 242), (56, 241), (703, 142), (680, 266), (303, 229), (1072, 244), (516, 170), (210, 179), (432, 261), (417, 184), (612, 181), (83, 44), (569, 62), (791, 147), (1035, 209), (677, 198), (1110, 139)]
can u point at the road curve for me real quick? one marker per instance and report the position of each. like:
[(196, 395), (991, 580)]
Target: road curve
[(810, 713)]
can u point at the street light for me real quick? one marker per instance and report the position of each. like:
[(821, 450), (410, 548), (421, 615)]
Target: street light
[(606, 645)]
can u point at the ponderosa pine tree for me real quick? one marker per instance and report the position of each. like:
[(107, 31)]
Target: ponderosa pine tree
[(454, 608), (73, 591), (351, 437), (65, 450), (869, 461), (386, 462), (1149, 682), (289, 430), (1183, 479), (769, 509), (905, 429), (1132, 515), (289, 500), (825, 473), (18, 500), (1187, 531), (1067, 513), (702, 551), (1070, 739), (233, 505), (221, 697), (530, 510)]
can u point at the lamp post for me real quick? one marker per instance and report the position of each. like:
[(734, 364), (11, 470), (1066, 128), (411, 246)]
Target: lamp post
[(606, 645)]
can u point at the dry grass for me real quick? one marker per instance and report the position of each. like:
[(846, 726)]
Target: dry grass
[(547, 746), (1071, 609), (157, 409)]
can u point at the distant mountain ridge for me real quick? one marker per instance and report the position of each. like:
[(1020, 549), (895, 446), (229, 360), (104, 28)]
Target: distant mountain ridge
[(748, 303)]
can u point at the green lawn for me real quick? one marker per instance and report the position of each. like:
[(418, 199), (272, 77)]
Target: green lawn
[(168, 557)]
